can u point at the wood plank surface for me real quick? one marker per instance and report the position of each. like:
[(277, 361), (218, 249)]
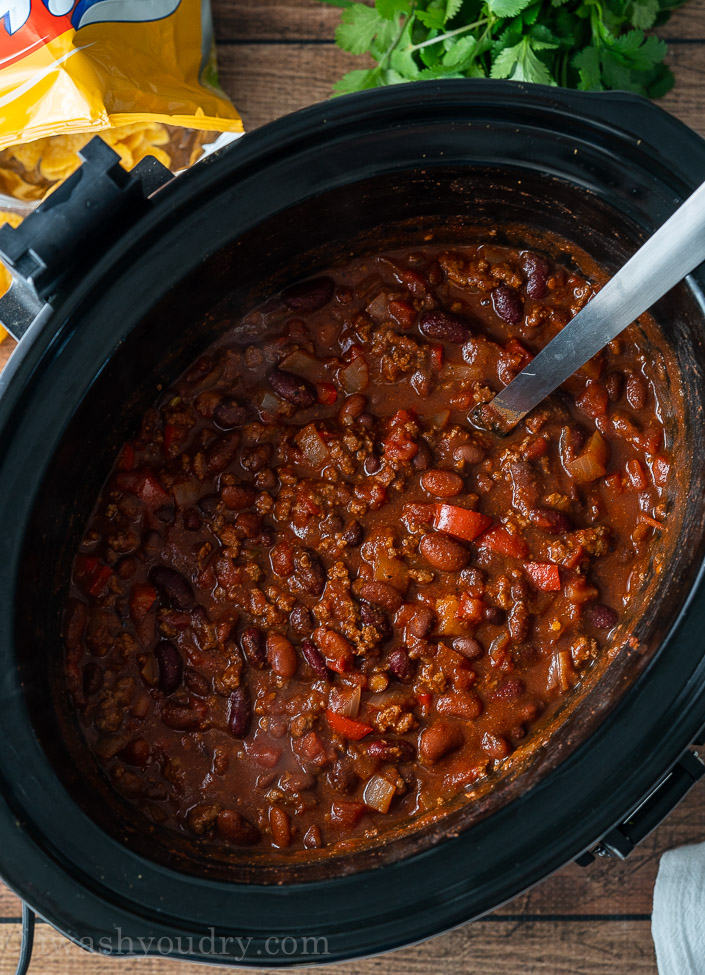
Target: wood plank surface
[(276, 56)]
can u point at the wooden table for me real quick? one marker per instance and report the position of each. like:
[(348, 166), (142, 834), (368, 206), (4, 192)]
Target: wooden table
[(276, 56)]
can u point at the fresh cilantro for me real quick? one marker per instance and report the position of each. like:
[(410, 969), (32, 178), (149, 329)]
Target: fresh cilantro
[(588, 44)]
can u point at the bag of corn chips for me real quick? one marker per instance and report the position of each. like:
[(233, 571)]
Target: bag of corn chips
[(141, 73)]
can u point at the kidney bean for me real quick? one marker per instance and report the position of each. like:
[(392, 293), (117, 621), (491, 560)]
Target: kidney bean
[(509, 690), (518, 620), (372, 464), (223, 452), (170, 666), (280, 825), (257, 458), (235, 496), (460, 704), (314, 658), (281, 655), (180, 717), (438, 739), (442, 484), (422, 622), (536, 268), (192, 520), (296, 782), (381, 594), (470, 648), (310, 572), (352, 408), (229, 414), (507, 304), (253, 646), (282, 559), (197, 683), (371, 615), (209, 505), (601, 616), (136, 752), (468, 453), (301, 621), (294, 389), (342, 776), (236, 829), (92, 677), (636, 393), (444, 553), (307, 296), (312, 838), (445, 327), (423, 457), (495, 746), (551, 521), (400, 664), (353, 534), (172, 587), (392, 750), (614, 384), (240, 712)]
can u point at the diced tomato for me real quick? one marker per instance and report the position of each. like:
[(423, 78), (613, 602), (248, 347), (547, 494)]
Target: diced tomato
[(471, 608), (515, 348), (544, 575), (399, 446), (593, 367), (142, 598), (347, 727), (572, 560), (636, 475), (310, 748), (403, 312), (126, 460), (437, 356), (401, 417), (411, 280), (266, 756), (499, 540), (353, 353), (152, 493), (91, 574), (425, 699), (345, 813), (460, 522), (327, 393), (594, 400), (535, 448)]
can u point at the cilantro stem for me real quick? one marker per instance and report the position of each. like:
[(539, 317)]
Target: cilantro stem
[(450, 33), (392, 47)]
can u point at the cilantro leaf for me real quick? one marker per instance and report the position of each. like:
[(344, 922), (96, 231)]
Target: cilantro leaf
[(358, 28), (390, 8), (520, 63), (507, 8)]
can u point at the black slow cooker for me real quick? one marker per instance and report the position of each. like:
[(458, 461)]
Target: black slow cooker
[(120, 280)]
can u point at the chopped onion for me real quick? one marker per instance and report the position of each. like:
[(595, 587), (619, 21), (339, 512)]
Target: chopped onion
[(355, 376), (586, 468), (378, 793), (303, 364), (186, 492), (377, 308), (345, 700), (312, 446), (268, 403)]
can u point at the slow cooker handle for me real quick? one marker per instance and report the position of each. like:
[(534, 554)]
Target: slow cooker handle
[(28, 922), (79, 219)]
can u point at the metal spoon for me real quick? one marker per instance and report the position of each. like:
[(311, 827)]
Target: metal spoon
[(674, 251)]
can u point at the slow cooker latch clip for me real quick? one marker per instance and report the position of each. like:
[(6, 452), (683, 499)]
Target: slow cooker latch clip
[(621, 840), (80, 219)]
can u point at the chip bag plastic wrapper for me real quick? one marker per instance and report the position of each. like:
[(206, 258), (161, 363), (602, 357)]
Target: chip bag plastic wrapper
[(141, 73)]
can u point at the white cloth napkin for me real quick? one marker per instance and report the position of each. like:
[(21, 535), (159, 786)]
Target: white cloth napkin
[(678, 918)]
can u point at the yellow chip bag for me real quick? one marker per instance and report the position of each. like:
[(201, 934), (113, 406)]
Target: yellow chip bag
[(141, 73)]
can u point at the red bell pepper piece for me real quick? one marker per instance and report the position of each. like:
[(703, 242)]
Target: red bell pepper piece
[(544, 575), (142, 598), (460, 522), (499, 540), (403, 312), (327, 393), (347, 727), (91, 575)]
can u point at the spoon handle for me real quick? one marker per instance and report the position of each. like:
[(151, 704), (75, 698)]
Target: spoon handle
[(672, 252)]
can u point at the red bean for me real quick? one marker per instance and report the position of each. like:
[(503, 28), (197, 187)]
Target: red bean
[(281, 655), (374, 616), (197, 683), (223, 452), (180, 717), (445, 327), (470, 648), (300, 620), (353, 534), (536, 268), (170, 666), (468, 453), (314, 658), (136, 752), (235, 496), (460, 704), (636, 393), (308, 296), (507, 304), (252, 643), (240, 712), (438, 740), (601, 616), (229, 414), (391, 750), (310, 573), (236, 829), (280, 824), (172, 586), (294, 389), (422, 622), (381, 594), (444, 553), (442, 484), (400, 665)]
